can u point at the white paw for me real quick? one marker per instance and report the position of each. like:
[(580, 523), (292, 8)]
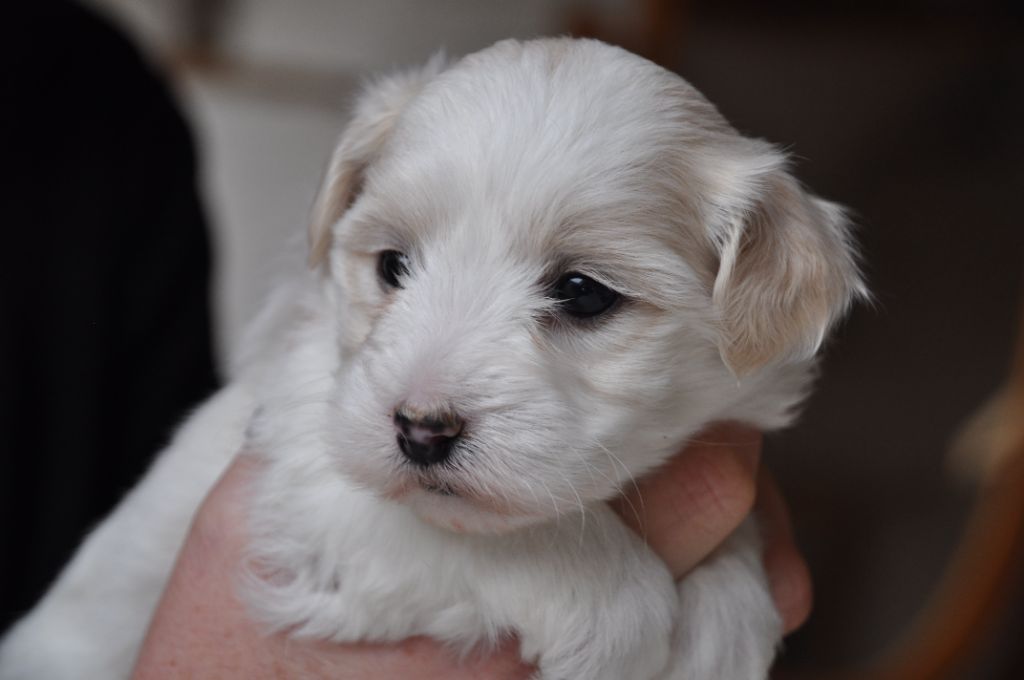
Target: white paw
[(728, 627), (613, 621)]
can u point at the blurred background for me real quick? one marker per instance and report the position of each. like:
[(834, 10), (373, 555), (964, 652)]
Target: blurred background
[(903, 475)]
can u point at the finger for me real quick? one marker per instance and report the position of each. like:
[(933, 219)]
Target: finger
[(689, 506), (220, 522), (788, 574), (418, 657)]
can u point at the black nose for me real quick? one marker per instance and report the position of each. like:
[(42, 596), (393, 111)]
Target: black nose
[(426, 439)]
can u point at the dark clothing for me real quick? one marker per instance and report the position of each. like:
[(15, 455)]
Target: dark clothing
[(104, 320)]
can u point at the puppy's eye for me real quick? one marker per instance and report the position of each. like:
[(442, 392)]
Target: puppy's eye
[(582, 296), (391, 267)]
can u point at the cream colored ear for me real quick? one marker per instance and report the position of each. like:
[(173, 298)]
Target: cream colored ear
[(377, 110), (787, 270)]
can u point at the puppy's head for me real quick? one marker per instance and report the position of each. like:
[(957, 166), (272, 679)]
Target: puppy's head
[(556, 262)]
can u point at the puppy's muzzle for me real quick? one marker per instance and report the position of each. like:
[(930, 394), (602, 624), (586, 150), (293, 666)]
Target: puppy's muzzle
[(426, 439)]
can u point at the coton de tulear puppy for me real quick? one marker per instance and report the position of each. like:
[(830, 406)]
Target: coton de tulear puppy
[(535, 273)]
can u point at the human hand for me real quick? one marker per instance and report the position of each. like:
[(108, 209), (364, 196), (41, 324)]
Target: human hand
[(200, 629), (702, 495)]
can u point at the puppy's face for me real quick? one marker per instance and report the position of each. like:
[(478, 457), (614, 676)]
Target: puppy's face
[(556, 262)]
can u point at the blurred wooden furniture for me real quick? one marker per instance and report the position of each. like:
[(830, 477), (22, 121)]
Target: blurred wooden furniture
[(983, 581), (979, 583)]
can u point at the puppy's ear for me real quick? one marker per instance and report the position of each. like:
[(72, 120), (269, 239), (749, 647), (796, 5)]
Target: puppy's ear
[(376, 111), (787, 265)]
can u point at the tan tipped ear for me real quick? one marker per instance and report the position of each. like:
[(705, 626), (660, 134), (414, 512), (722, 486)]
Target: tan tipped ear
[(377, 110), (787, 271)]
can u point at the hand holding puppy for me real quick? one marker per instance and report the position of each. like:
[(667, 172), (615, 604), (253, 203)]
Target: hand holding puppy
[(684, 512)]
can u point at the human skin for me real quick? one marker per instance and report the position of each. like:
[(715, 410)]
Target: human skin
[(201, 629)]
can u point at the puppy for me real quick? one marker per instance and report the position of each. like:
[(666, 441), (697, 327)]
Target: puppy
[(534, 274)]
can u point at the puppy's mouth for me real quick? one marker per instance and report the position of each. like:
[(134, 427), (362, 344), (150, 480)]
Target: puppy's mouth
[(456, 505), (440, 488)]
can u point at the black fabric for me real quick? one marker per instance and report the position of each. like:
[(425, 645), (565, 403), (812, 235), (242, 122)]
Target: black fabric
[(104, 322)]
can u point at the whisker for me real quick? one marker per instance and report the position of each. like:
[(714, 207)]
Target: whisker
[(579, 503), (632, 480)]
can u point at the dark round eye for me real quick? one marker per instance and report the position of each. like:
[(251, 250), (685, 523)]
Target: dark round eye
[(391, 267), (582, 296)]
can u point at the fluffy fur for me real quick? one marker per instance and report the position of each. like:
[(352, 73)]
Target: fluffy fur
[(495, 175)]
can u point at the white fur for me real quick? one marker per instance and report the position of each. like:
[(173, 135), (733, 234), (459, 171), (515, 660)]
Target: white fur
[(495, 175)]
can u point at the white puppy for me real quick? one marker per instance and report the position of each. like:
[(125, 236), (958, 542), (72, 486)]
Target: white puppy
[(536, 272)]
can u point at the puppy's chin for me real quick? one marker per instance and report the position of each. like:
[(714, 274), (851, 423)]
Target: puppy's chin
[(461, 513)]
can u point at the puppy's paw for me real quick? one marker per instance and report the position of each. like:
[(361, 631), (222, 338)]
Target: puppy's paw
[(717, 641), (728, 627), (616, 621), (619, 644)]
